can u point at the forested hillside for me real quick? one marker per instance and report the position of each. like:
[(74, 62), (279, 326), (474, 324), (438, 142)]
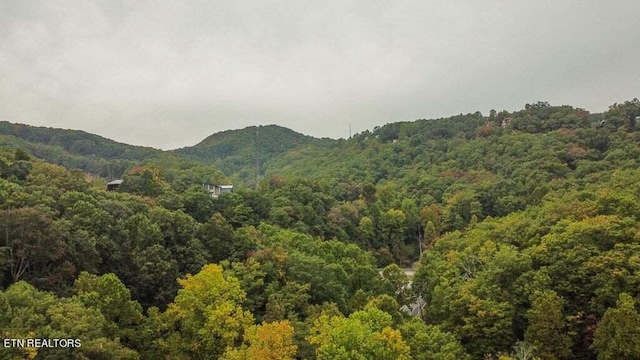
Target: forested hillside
[(528, 224), (243, 153), (76, 149)]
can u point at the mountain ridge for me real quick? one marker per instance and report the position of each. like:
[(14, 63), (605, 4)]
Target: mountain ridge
[(251, 153)]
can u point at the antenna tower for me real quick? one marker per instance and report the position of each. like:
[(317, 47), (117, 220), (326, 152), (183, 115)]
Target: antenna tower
[(257, 157)]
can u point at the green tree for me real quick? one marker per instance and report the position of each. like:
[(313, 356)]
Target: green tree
[(430, 234), (28, 247), (251, 275), (618, 333), (71, 319), (547, 328), (363, 335), (366, 231), (221, 242), (143, 180), (429, 342), (109, 295), (179, 232), (198, 203), (392, 228), (16, 166), (398, 283), (36, 314)]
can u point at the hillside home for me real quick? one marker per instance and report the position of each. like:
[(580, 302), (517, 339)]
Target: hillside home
[(215, 190), (114, 185), (414, 309)]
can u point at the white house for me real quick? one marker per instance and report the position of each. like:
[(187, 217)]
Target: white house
[(215, 190)]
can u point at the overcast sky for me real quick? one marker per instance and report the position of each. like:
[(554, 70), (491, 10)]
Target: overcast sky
[(169, 73)]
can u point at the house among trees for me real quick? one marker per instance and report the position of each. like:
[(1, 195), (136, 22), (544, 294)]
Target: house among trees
[(414, 309), (114, 185), (215, 190)]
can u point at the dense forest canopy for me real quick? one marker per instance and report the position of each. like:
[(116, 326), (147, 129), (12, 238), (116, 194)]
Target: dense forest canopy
[(522, 228)]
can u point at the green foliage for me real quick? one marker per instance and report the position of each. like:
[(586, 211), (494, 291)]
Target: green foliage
[(398, 284), (35, 314), (107, 294), (221, 242), (76, 149), (429, 342), (238, 151), (618, 332), (547, 327), (143, 181), (15, 166), (365, 334)]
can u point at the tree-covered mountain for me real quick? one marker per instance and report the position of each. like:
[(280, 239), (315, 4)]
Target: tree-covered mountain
[(524, 228), (100, 157), (234, 152), (77, 142), (243, 153), (76, 149)]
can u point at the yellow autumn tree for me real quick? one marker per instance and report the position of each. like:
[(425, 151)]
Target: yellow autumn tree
[(269, 341), (206, 317)]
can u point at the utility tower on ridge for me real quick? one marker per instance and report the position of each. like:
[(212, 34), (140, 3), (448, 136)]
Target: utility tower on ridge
[(257, 156)]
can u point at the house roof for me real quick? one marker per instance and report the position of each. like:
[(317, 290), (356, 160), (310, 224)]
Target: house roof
[(414, 309), (218, 185), (115, 182)]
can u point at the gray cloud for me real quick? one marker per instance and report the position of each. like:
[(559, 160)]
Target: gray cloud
[(168, 74)]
